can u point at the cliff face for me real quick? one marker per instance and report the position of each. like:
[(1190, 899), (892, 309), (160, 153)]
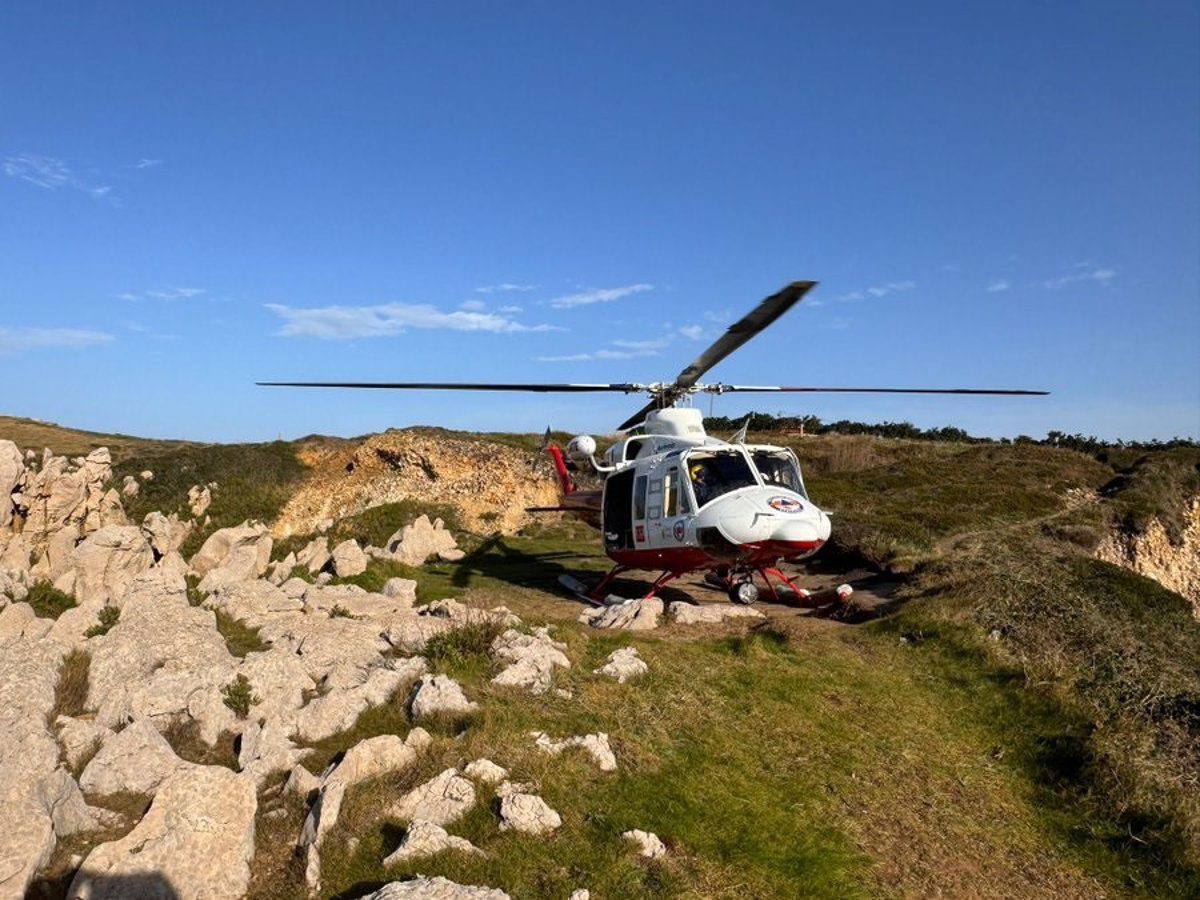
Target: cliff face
[(489, 483), (1176, 566)]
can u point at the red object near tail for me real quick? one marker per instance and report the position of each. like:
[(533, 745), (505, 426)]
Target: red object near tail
[(566, 485)]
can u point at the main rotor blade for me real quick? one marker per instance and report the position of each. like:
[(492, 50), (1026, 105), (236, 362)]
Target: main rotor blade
[(743, 329), (737, 334), (777, 389), (458, 386)]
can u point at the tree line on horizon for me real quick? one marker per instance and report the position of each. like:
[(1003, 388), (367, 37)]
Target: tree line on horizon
[(810, 424)]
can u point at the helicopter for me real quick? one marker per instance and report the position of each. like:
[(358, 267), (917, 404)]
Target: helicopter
[(675, 500)]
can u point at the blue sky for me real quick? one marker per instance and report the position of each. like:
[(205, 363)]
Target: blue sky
[(197, 196)]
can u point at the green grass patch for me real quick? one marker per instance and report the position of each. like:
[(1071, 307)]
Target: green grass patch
[(464, 650), (239, 696), (48, 602), (375, 525), (239, 637), (109, 617), (70, 693)]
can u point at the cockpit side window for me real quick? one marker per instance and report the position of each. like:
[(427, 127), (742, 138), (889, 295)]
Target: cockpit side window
[(714, 474), (779, 469)]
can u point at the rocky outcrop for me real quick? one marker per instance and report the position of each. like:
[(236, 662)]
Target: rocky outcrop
[(1174, 565), (136, 760), (413, 544), (629, 615), (369, 759), (427, 839), (595, 745), (442, 800), (231, 555), (709, 613), (195, 841), (102, 566), (348, 560), (528, 814), (165, 533), (530, 658), (439, 695)]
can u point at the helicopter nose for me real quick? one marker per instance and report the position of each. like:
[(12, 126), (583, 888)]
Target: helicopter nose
[(807, 530)]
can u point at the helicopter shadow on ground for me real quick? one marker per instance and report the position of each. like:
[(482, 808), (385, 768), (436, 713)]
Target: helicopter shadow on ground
[(499, 559), (141, 885)]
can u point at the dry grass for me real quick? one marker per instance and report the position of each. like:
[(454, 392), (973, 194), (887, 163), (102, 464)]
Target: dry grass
[(70, 694)]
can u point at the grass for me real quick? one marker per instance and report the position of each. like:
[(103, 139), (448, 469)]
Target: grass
[(70, 694), (375, 525), (463, 650), (48, 602), (109, 617), (30, 434), (239, 637)]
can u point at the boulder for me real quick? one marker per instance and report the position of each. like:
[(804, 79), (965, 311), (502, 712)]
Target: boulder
[(427, 839), (648, 844), (315, 555), (12, 474), (348, 559), (485, 771), (102, 566), (403, 589), (368, 759), (442, 800), (340, 708), (623, 665), (199, 499), (595, 745), (165, 533), (281, 570), (136, 760), (422, 888), (266, 748), (413, 544), (243, 552), (130, 487), (527, 813), (80, 739), (630, 615), (439, 695), (531, 659), (195, 841)]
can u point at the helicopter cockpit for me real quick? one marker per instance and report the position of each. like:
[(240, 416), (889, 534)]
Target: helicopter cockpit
[(717, 472), (779, 468)]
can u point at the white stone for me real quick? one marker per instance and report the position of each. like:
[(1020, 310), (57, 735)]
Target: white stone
[(136, 760), (439, 695), (442, 800), (527, 813), (595, 745), (438, 888), (485, 771), (427, 839), (710, 613), (531, 659), (623, 665), (648, 844), (629, 615), (413, 544), (348, 559)]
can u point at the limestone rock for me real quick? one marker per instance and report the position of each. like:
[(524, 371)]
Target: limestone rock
[(422, 888), (710, 613), (367, 759), (439, 695), (130, 487), (401, 589), (199, 499), (348, 559), (442, 800), (531, 659), (136, 760), (485, 771), (267, 748), (413, 544), (315, 555), (630, 615), (243, 552), (165, 533), (527, 813), (428, 839), (102, 566), (648, 844), (79, 738), (301, 782), (197, 838), (340, 708), (595, 745), (623, 665), (63, 802), (12, 473)]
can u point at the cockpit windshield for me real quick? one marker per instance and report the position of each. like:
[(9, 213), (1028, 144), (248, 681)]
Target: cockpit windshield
[(779, 468), (717, 473)]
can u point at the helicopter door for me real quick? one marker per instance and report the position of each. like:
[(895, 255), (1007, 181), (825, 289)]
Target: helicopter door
[(671, 525), (639, 510), (618, 511)]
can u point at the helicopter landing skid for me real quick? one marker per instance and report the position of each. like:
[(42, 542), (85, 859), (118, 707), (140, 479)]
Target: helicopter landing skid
[(596, 596)]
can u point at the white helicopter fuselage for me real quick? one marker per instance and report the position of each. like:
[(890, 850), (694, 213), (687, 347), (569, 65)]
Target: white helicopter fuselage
[(678, 500)]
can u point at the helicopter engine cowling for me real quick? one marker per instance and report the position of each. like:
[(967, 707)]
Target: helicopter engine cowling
[(581, 448)]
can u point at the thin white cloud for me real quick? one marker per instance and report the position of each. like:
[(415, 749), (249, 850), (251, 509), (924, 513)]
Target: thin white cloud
[(164, 293), (602, 295), (654, 344), (336, 323), (473, 305), (506, 287), (511, 309), (1083, 272), (624, 350), (692, 332), (50, 173), (995, 287), (145, 163), (877, 290), (15, 340)]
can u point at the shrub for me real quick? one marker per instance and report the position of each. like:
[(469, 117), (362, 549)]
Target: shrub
[(108, 618), (340, 612), (48, 602), (70, 694), (239, 696)]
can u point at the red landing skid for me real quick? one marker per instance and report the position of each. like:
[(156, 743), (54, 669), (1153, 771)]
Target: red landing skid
[(597, 593)]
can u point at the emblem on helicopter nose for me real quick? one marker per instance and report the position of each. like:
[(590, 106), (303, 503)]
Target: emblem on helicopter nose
[(785, 504), (679, 530)]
